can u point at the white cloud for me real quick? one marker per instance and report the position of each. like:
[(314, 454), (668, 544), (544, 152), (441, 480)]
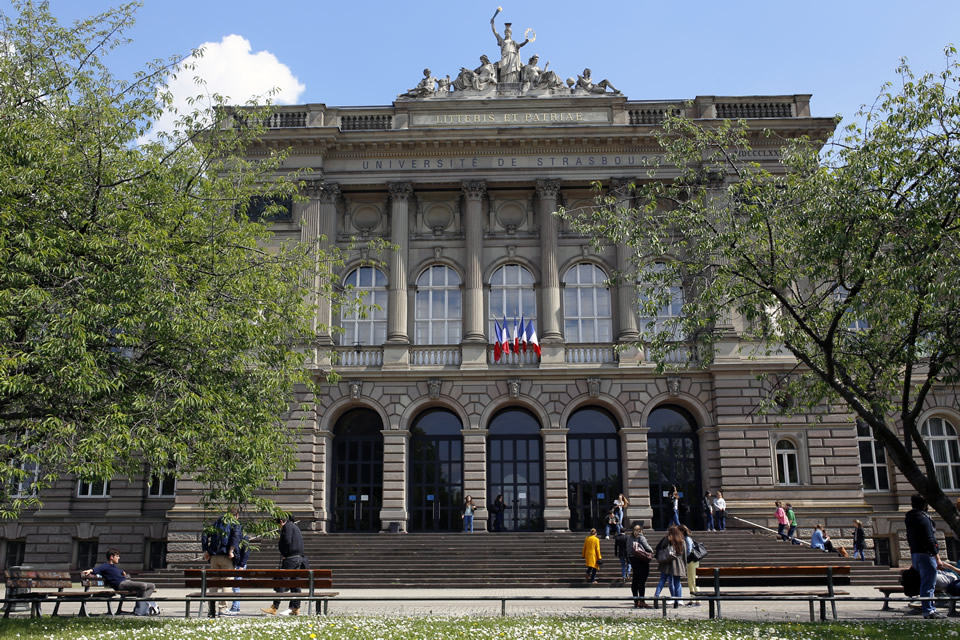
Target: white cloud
[(230, 69)]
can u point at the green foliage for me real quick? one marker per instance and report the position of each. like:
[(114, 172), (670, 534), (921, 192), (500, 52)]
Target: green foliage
[(144, 323), (844, 258)]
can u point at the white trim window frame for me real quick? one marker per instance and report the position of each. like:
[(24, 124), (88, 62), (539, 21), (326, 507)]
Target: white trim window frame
[(438, 306), (587, 315), (940, 436), (366, 326), (162, 485), (787, 459), (512, 295), (873, 461), (667, 314), (94, 489)]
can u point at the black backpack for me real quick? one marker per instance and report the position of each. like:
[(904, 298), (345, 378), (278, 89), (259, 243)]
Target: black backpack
[(910, 580)]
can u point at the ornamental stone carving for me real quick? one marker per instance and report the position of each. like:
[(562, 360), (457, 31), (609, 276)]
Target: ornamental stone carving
[(400, 190), (513, 386), (433, 387), (673, 386), (329, 193), (474, 189), (355, 390), (548, 188), (593, 387)]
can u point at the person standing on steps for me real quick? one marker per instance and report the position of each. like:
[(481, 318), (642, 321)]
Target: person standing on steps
[(291, 553), (707, 506), (640, 556), (621, 549), (620, 508), (720, 511), (591, 556), (859, 540), (498, 509), (675, 503), (469, 510), (792, 517), (782, 522)]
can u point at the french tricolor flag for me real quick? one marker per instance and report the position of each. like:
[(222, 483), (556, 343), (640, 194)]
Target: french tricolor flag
[(505, 337), (530, 335), (497, 349)]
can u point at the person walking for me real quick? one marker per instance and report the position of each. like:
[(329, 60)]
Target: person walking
[(591, 556), (859, 540), (621, 549), (792, 517), (498, 509), (620, 508), (219, 543), (782, 522), (924, 555), (640, 556), (290, 546), (707, 507), (671, 560), (469, 509), (692, 564), (675, 500), (720, 511)]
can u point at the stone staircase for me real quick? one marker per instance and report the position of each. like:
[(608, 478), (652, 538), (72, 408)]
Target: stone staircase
[(515, 560)]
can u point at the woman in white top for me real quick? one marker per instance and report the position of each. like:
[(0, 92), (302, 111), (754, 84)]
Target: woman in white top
[(621, 504), (720, 511)]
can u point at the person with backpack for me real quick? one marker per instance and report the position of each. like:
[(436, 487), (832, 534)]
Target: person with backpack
[(640, 555), (219, 543), (240, 557), (621, 549)]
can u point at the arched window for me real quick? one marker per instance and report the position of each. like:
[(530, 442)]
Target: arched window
[(873, 460), (674, 461), (586, 305), (593, 467), (369, 325), (788, 462), (438, 306), (941, 439), (673, 308), (511, 296)]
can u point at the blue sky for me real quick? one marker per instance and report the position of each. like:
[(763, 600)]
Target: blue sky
[(366, 52)]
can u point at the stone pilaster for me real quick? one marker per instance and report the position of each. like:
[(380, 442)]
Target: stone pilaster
[(400, 193), (475, 471), (323, 450), (394, 507), (626, 289), (549, 313), (328, 197), (556, 508), (634, 445), (474, 335)]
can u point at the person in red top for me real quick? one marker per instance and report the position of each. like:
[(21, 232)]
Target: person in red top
[(782, 522)]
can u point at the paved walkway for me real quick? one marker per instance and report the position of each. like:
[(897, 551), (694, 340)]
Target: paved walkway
[(581, 601)]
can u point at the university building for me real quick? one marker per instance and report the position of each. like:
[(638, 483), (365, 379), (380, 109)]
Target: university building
[(464, 177)]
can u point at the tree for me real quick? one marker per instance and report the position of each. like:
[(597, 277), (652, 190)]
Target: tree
[(846, 256), (144, 325)]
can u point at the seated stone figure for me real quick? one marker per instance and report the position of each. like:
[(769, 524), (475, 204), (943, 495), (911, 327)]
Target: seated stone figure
[(533, 77), (585, 83), (426, 87), (478, 79)]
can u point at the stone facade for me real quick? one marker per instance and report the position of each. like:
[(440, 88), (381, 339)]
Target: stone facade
[(471, 184)]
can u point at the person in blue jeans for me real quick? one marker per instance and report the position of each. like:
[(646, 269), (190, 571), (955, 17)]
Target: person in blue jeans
[(240, 557), (670, 556), (675, 499), (924, 554), (859, 540), (469, 508)]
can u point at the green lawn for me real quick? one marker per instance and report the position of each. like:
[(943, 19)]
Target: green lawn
[(390, 628)]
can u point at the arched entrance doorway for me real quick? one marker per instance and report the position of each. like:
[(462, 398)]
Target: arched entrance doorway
[(593, 467), (515, 468), (674, 458), (436, 472), (357, 471)]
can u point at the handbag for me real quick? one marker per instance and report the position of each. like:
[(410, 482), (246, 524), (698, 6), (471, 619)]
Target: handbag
[(641, 554), (697, 553), (665, 554)]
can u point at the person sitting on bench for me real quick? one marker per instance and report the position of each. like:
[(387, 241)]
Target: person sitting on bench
[(118, 579)]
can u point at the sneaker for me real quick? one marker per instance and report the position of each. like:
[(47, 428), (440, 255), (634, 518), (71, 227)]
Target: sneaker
[(286, 612), (232, 610), (228, 612), (270, 611), (936, 615)]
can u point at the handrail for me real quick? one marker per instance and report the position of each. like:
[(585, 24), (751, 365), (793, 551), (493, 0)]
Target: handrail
[(760, 526)]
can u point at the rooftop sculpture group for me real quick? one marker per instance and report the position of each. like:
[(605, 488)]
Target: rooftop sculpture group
[(508, 76)]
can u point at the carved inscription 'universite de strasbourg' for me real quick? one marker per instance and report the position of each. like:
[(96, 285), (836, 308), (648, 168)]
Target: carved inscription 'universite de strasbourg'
[(508, 118), (496, 162)]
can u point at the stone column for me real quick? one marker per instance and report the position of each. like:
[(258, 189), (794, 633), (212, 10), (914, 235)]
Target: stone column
[(323, 462), (400, 193), (328, 198), (549, 314), (475, 472), (394, 505), (473, 329), (626, 289), (556, 508)]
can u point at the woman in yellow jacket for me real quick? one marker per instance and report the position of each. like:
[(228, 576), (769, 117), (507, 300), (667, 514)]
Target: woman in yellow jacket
[(591, 555)]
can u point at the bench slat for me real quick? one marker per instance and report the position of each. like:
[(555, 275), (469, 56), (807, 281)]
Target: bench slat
[(839, 570), (257, 583), (257, 573)]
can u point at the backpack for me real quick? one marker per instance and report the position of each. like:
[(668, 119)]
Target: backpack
[(146, 608), (910, 579)]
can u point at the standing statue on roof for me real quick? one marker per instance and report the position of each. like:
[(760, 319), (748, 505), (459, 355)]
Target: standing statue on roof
[(509, 64)]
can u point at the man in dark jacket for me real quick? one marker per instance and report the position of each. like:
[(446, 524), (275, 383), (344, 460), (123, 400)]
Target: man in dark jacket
[(219, 544), (291, 552), (923, 552)]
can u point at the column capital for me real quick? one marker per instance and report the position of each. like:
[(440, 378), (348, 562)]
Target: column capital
[(400, 190), (548, 187), (313, 188), (620, 185), (330, 193), (474, 189)]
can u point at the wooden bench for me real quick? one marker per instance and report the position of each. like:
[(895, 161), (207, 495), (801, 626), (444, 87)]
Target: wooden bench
[(891, 589), (56, 586), (826, 574), (310, 580)]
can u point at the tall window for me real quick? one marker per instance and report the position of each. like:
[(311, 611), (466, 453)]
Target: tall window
[(586, 305), (162, 485), (369, 325), (26, 486), (511, 295), (87, 554), (856, 323), (941, 438), (788, 467), (438, 308), (672, 309), (873, 460)]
